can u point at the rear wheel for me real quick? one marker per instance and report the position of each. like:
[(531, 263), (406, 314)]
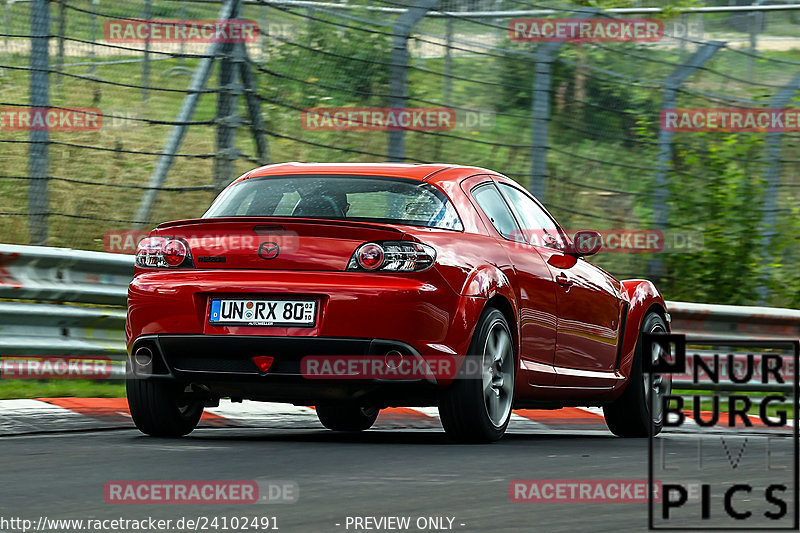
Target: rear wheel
[(479, 409), (346, 416), (161, 408), (629, 415)]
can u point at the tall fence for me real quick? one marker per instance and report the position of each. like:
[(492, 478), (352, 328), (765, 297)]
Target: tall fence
[(580, 124)]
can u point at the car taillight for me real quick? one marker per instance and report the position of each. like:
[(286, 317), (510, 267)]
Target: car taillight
[(163, 252), (370, 256), (175, 252), (392, 256)]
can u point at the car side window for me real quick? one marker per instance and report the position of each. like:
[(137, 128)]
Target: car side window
[(543, 229), (491, 202)]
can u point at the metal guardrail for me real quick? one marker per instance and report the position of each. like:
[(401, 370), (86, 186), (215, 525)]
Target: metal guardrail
[(734, 322), (91, 291), (730, 322), (82, 283)]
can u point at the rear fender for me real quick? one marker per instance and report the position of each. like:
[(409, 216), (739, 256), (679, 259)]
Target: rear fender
[(483, 284), (642, 296)]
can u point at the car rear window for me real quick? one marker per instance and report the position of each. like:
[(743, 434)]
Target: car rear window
[(375, 199)]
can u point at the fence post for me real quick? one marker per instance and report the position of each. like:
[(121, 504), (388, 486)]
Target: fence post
[(199, 80), (672, 84), (448, 61), (228, 119), (772, 176), (540, 109), (398, 71), (250, 89), (540, 116), (93, 36), (62, 31), (148, 5), (182, 48), (756, 21), (264, 30), (6, 25), (40, 98)]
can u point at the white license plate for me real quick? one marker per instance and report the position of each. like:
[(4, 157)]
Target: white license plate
[(263, 312)]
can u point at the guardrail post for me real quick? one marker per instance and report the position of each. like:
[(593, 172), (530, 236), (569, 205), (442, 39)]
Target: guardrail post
[(398, 73), (772, 176), (672, 84), (40, 98)]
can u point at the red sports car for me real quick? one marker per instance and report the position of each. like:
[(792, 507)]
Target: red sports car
[(352, 287)]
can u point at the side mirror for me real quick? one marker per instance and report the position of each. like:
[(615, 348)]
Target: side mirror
[(586, 242)]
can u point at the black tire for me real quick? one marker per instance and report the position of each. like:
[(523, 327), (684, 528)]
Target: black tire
[(346, 416), (463, 406), (159, 409), (629, 415)]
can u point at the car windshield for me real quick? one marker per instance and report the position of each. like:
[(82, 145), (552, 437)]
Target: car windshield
[(375, 199)]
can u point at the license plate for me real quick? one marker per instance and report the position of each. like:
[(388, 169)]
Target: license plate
[(263, 312)]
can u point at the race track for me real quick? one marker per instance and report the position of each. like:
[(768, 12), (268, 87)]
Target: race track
[(58, 455)]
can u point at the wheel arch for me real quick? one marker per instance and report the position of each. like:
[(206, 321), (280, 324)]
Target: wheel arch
[(503, 304), (643, 298)]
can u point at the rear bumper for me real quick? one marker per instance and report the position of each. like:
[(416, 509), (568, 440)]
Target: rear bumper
[(223, 365), (420, 310)]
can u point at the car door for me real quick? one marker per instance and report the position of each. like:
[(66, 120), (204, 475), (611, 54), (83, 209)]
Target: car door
[(534, 285), (589, 303)]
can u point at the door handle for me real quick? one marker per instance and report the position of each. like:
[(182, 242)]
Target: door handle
[(563, 280)]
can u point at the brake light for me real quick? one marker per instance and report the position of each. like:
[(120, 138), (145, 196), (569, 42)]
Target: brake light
[(392, 256), (163, 252)]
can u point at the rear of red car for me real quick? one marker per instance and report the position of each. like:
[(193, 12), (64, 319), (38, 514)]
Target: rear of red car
[(285, 267)]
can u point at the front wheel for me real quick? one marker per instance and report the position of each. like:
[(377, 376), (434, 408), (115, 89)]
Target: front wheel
[(629, 415), (161, 408), (478, 409), (346, 416)]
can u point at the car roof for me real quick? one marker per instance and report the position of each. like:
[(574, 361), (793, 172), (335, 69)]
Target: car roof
[(421, 172)]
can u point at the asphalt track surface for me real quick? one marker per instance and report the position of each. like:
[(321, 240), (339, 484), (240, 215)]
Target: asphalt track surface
[(404, 467)]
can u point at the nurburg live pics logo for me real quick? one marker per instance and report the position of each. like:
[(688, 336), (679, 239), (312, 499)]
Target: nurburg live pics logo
[(724, 469)]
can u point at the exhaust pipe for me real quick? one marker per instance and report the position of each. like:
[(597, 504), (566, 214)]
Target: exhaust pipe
[(392, 359), (143, 356)]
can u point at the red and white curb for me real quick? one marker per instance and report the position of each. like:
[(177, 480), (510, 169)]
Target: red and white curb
[(49, 415)]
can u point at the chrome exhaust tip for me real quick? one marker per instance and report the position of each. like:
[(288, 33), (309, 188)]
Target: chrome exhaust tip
[(143, 356)]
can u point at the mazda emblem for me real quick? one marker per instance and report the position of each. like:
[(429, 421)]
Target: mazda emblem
[(268, 250)]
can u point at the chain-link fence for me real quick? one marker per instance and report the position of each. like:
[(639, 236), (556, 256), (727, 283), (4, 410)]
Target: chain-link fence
[(581, 124)]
